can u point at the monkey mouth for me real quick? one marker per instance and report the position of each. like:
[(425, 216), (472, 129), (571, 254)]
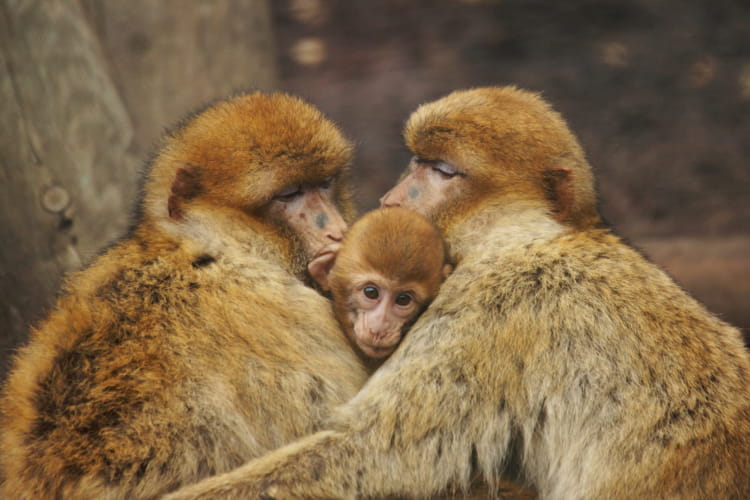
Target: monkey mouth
[(377, 351), (327, 254)]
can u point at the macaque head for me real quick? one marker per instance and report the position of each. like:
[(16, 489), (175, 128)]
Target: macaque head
[(257, 163), (389, 268), (493, 146)]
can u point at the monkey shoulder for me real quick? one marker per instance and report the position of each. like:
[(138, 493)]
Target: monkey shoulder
[(592, 294), (548, 270), (577, 280)]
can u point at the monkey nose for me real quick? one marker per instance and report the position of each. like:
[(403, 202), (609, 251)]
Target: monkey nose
[(387, 200), (377, 335), (335, 232), (333, 225)]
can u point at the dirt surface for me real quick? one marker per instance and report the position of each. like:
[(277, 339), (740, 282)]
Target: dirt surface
[(657, 92)]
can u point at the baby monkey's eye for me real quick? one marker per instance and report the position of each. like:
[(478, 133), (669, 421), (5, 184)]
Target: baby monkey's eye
[(371, 292), (403, 299)]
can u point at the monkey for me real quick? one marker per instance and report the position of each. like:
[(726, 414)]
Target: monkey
[(553, 348), (193, 344), (387, 270)]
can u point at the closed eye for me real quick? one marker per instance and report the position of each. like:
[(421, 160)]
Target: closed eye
[(445, 170), (289, 193)]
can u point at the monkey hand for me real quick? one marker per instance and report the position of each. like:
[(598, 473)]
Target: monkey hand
[(321, 264)]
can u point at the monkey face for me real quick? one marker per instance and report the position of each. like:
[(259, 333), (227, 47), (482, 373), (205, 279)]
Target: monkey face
[(311, 213), (380, 310), (506, 146), (426, 186)]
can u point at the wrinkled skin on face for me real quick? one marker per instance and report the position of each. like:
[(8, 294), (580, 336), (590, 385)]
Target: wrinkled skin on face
[(311, 213)]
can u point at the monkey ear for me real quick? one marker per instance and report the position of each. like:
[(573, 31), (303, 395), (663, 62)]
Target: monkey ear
[(558, 187), (186, 185), (320, 267)]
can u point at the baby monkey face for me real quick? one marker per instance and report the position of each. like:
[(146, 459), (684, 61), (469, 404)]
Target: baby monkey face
[(388, 269), (380, 310)]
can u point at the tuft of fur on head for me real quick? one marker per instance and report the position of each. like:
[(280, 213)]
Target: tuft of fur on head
[(507, 141)]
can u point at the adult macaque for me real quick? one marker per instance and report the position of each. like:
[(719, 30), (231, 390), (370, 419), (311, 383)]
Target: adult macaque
[(193, 344), (389, 268), (552, 346)]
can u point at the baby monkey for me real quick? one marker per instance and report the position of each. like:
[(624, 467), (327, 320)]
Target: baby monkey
[(388, 269)]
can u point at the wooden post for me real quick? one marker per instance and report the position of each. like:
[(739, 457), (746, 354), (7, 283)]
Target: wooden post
[(86, 88), (67, 180)]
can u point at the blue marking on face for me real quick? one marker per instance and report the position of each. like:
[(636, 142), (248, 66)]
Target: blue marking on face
[(321, 220), (413, 193)]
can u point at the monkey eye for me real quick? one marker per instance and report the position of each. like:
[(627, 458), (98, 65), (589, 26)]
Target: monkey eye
[(403, 299), (326, 183), (371, 292), (289, 193), (445, 170)]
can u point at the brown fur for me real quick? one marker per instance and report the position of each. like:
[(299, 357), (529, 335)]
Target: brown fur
[(398, 249), (552, 346), (192, 345)]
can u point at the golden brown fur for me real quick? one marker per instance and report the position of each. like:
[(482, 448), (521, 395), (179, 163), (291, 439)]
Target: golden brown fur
[(552, 346), (397, 252), (192, 345)]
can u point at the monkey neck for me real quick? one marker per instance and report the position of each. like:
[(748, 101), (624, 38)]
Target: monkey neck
[(217, 232), (501, 226)]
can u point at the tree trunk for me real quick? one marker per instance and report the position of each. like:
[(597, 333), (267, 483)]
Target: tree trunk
[(86, 89)]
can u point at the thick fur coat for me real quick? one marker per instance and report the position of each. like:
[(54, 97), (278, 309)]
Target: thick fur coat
[(554, 349)]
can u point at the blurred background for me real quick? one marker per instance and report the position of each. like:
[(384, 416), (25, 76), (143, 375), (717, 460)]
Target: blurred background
[(657, 92)]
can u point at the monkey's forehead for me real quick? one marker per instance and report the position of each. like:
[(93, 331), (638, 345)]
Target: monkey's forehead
[(398, 260), (265, 131), (500, 125), (394, 224)]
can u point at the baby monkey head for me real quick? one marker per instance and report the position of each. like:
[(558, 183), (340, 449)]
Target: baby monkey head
[(389, 268)]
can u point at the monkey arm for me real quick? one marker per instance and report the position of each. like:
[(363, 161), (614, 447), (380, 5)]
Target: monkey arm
[(294, 471), (320, 466)]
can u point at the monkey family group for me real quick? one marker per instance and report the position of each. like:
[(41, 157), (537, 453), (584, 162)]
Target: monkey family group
[(481, 335)]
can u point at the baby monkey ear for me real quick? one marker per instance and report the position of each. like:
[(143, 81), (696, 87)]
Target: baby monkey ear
[(558, 188), (320, 267), (185, 186)]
